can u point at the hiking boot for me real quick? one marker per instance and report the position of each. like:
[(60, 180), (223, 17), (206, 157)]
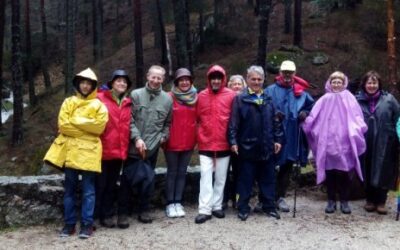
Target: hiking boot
[(330, 207), (107, 222), (68, 230), (381, 209), (344, 207), (86, 231), (180, 211), (243, 216), (282, 205), (258, 208), (145, 218), (219, 213), (369, 207), (170, 211), (122, 221), (201, 218), (272, 213)]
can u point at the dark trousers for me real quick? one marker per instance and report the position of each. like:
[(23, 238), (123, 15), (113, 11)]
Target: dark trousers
[(264, 173), (338, 182), (177, 163), (231, 179), (106, 188), (145, 189), (376, 195), (283, 179)]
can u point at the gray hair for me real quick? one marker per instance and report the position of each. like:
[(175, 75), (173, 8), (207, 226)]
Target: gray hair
[(256, 69), (236, 77)]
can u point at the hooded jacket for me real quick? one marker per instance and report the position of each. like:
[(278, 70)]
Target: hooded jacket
[(115, 138), (80, 122), (213, 112)]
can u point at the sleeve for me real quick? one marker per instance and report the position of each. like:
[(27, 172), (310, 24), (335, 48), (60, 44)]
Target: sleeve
[(279, 136), (65, 126), (167, 123), (308, 104), (234, 122), (398, 128), (135, 133), (95, 124)]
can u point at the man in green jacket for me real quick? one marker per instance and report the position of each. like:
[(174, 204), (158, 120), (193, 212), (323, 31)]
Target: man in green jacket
[(151, 119)]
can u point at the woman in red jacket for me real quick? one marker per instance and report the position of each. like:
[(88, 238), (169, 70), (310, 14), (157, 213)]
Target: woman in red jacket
[(179, 147), (115, 140)]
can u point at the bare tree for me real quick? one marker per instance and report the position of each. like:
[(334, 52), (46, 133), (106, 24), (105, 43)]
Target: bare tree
[(70, 45), (45, 58), (288, 16), (17, 133), (97, 14), (391, 44), (162, 43), (188, 36), (2, 21), (264, 10), (28, 51), (297, 36), (137, 13), (180, 33)]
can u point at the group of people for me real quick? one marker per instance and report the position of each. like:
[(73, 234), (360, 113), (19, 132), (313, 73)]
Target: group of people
[(243, 133)]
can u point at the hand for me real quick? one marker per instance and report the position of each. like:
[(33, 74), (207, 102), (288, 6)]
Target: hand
[(235, 149), (277, 147), (140, 146), (302, 116)]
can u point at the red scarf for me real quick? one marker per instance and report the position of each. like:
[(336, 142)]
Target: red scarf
[(299, 84)]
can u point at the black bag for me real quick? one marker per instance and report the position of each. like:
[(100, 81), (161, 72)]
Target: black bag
[(137, 172)]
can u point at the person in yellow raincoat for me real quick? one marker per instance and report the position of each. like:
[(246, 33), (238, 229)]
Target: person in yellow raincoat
[(77, 149)]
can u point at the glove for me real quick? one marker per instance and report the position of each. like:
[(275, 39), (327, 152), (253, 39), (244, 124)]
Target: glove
[(302, 116)]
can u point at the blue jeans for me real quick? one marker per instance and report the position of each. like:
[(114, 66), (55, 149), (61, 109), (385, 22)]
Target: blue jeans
[(88, 196)]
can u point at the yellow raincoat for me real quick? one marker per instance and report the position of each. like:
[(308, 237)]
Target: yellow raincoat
[(81, 121)]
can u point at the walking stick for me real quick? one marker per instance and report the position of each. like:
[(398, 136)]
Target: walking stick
[(398, 200), (296, 171)]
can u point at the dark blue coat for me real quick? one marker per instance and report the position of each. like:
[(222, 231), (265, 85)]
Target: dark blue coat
[(254, 127), (290, 105)]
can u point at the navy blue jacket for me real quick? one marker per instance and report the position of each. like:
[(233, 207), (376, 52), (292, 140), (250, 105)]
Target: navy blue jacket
[(254, 127)]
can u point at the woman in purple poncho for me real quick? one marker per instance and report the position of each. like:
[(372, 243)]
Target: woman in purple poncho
[(335, 131)]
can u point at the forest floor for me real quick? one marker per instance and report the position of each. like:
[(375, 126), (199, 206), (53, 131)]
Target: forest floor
[(311, 229)]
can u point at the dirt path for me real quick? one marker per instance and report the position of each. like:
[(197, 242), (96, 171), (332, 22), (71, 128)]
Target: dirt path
[(311, 229)]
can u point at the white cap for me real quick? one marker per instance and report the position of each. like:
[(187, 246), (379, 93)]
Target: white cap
[(288, 66)]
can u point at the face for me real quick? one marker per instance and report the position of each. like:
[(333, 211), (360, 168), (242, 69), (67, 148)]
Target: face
[(85, 87), (337, 85), (255, 82), (184, 84), (372, 85), (288, 75), (120, 85), (155, 78), (236, 85), (216, 83)]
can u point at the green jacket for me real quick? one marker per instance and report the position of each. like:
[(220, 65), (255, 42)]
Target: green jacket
[(151, 119)]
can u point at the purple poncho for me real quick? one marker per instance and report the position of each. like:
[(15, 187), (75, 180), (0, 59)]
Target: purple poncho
[(335, 131)]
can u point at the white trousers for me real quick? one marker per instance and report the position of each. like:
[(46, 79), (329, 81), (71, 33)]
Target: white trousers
[(211, 196)]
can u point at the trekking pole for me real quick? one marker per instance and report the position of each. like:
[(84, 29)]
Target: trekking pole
[(398, 199), (296, 171)]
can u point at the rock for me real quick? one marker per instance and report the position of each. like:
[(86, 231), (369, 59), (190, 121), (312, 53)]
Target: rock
[(320, 59)]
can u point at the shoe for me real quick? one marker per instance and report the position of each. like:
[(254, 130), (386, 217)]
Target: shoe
[(145, 218), (107, 222), (219, 213), (273, 213), (180, 211), (170, 211), (243, 216), (282, 205), (330, 207), (381, 209), (369, 207), (258, 208), (122, 221), (344, 207), (201, 218), (67, 230), (86, 231)]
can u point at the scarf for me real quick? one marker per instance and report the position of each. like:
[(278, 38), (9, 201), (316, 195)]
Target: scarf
[(153, 92), (188, 98), (373, 100), (257, 98), (298, 84)]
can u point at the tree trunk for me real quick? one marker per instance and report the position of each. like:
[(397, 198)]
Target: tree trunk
[(250, 3), (97, 37), (188, 36), (70, 46), (86, 17), (161, 26), (44, 58), (2, 23), (264, 10), (201, 25), (297, 36), (288, 16), (101, 28), (180, 33), (391, 43), (218, 7), (17, 133), (137, 13), (28, 48)]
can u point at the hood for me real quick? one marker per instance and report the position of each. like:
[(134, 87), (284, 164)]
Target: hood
[(216, 68), (87, 74), (328, 87)]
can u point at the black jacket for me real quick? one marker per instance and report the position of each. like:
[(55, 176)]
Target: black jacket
[(380, 161), (254, 127)]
